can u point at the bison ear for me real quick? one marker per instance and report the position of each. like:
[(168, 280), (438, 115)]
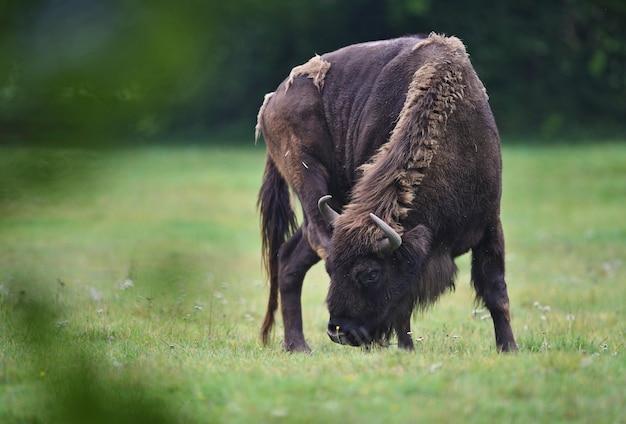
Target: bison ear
[(392, 240), (420, 240), (327, 212)]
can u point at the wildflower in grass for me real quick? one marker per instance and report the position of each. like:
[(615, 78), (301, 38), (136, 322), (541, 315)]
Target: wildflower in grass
[(435, 367), (545, 345), (610, 267), (219, 295), (61, 324), (477, 312), (115, 362), (546, 308), (95, 294), (126, 284)]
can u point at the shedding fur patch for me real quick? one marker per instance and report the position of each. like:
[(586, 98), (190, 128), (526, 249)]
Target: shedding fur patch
[(451, 43), (390, 179), (257, 128), (315, 69)]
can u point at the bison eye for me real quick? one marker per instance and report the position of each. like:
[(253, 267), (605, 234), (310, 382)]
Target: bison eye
[(368, 277)]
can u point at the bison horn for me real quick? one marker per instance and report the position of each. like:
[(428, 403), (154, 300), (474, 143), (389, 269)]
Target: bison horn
[(393, 240), (327, 212)]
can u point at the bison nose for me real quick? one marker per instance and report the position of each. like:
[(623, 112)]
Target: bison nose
[(335, 332), (347, 334)]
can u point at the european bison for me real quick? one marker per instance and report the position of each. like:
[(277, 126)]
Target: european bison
[(394, 155)]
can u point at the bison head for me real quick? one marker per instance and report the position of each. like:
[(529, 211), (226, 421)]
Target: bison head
[(374, 286)]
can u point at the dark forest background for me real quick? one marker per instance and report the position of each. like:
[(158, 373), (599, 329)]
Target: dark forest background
[(86, 71)]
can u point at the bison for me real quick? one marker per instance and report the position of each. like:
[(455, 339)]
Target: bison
[(393, 153)]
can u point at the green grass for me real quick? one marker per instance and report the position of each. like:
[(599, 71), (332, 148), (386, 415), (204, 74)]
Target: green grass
[(131, 290)]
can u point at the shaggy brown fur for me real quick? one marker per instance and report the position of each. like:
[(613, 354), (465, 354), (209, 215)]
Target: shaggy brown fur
[(257, 128), (389, 180), (315, 69)]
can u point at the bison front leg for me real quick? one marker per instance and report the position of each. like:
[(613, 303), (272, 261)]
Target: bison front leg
[(488, 279), (403, 330), (296, 257)]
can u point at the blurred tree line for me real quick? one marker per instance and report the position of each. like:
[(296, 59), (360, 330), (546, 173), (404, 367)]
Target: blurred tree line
[(88, 71)]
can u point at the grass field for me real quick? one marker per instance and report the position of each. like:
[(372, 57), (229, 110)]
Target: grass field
[(131, 291)]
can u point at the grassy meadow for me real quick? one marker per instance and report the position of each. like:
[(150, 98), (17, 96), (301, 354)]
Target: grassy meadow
[(131, 291)]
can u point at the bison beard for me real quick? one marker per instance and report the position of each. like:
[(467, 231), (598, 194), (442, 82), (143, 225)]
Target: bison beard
[(401, 135)]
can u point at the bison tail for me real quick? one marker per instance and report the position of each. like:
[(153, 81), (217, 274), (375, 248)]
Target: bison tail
[(278, 221)]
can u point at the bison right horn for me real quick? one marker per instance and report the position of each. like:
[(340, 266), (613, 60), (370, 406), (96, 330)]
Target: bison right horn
[(393, 240), (327, 212)]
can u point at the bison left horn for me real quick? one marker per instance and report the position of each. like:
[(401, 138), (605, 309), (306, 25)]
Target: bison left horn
[(327, 212), (393, 240)]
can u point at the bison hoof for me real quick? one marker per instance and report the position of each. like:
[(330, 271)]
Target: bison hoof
[(294, 347), (510, 347)]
